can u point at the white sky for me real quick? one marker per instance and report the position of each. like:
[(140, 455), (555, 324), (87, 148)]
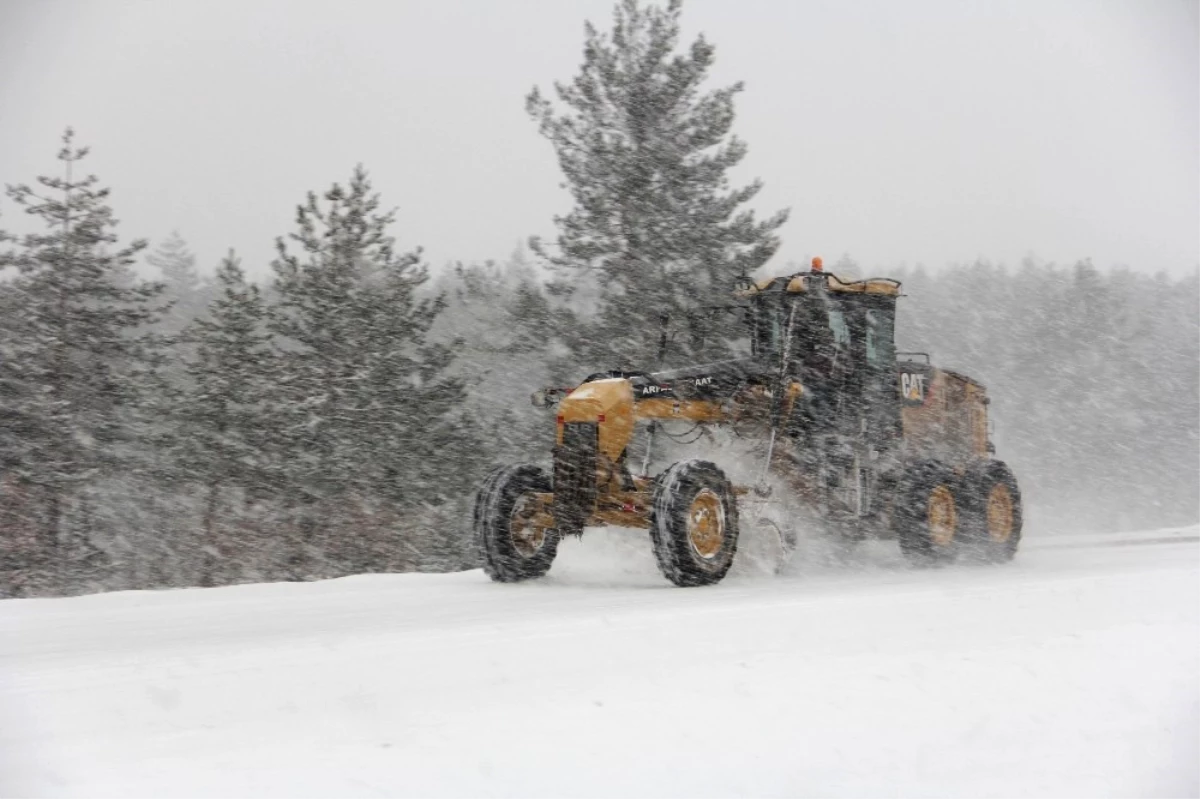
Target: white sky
[(926, 131)]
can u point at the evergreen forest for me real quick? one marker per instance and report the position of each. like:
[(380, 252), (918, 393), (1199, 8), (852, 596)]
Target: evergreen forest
[(167, 423)]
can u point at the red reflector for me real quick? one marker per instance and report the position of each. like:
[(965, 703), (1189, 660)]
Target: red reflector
[(628, 507), (561, 419), (600, 418)]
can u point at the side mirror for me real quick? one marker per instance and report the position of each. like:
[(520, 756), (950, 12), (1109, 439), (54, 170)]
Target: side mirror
[(548, 397)]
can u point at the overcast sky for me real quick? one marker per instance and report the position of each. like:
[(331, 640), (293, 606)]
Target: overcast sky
[(926, 131)]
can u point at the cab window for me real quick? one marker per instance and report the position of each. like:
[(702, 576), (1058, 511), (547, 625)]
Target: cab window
[(839, 328), (880, 343)]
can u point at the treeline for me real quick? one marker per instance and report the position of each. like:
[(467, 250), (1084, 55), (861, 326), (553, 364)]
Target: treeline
[(203, 429), (198, 432), (1094, 378)]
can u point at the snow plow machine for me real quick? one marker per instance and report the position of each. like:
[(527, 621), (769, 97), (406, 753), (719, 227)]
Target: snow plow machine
[(866, 441)]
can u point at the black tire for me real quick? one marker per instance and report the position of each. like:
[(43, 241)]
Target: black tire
[(992, 515), (504, 560), (694, 523), (928, 514)]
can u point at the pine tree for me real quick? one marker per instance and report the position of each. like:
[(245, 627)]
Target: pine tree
[(187, 291), (185, 295), (18, 524), (225, 413), (366, 423), (77, 361), (646, 152)]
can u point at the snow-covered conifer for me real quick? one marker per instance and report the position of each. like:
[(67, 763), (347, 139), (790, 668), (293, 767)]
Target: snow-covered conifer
[(224, 415), (646, 151), (78, 365), (366, 408), (188, 292)]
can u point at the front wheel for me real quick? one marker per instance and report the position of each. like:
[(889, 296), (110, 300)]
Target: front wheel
[(511, 529), (694, 523)]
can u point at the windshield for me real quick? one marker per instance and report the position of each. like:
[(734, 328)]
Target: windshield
[(770, 322), (817, 324)]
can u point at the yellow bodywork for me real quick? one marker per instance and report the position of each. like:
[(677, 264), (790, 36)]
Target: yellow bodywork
[(952, 421), (689, 410), (607, 402), (610, 404)]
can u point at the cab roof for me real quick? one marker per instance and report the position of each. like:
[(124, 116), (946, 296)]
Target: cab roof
[(797, 284)]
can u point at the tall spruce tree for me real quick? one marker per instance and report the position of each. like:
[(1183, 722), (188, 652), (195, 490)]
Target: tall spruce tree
[(646, 151), (187, 291), (225, 412), (186, 295), (77, 361), (366, 423)]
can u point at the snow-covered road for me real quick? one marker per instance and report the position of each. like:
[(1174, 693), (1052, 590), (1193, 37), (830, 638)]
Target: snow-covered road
[(1074, 671)]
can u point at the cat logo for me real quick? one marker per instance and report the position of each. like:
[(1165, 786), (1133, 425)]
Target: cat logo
[(703, 381), (912, 386), (650, 390)]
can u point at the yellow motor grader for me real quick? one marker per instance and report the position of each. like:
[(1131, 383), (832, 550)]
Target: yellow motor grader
[(872, 442)]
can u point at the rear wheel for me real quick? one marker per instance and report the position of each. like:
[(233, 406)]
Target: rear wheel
[(511, 531), (694, 523), (992, 512), (929, 515)]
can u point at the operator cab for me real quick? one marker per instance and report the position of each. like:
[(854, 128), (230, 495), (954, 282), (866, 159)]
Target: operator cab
[(837, 339)]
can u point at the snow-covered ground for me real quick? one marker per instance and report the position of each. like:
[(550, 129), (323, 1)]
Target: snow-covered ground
[(1075, 671)]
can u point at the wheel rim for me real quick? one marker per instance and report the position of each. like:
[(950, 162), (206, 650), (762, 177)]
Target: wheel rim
[(1000, 514), (706, 524), (941, 516), (527, 538)]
